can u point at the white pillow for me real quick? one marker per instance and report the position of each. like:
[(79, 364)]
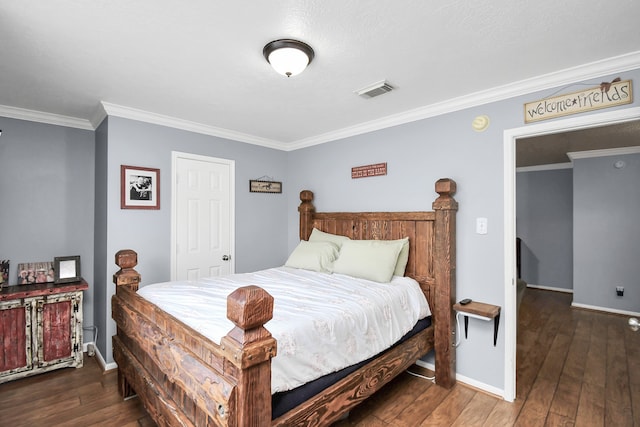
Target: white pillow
[(315, 256), (369, 259), (321, 236)]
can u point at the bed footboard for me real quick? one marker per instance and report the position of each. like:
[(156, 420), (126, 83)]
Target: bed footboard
[(183, 378)]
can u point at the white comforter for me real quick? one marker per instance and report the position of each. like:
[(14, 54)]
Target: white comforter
[(322, 322)]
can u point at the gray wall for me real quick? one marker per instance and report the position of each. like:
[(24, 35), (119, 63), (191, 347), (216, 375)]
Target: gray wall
[(417, 155), (606, 232), (46, 197), (260, 220), (544, 222)]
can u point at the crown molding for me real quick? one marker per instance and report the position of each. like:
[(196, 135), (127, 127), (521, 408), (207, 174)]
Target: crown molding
[(617, 64), (553, 80), (162, 120), (622, 151), (549, 167), (42, 117)]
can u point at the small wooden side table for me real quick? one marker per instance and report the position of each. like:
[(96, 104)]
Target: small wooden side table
[(42, 326), (480, 310)]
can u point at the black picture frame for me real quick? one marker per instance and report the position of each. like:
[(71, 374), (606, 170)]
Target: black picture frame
[(67, 269)]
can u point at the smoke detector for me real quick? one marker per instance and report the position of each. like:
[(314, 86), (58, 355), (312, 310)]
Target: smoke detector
[(375, 89)]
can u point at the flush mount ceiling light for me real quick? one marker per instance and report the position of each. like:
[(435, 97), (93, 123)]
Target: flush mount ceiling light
[(288, 57)]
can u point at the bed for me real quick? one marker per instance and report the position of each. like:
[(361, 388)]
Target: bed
[(184, 378)]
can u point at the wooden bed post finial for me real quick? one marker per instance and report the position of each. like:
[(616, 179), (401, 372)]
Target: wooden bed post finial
[(446, 188), (306, 210), (126, 259), (250, 347)]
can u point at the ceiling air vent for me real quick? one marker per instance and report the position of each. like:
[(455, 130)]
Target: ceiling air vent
[(375, 89)]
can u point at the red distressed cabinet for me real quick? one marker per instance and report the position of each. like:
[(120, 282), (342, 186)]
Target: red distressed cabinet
[(40, 328)]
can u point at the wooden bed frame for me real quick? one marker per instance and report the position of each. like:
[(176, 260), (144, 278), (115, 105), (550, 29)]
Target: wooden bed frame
[(185, 379)]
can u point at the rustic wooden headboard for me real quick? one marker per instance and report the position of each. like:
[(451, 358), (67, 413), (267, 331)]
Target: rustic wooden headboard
[(431, 247)]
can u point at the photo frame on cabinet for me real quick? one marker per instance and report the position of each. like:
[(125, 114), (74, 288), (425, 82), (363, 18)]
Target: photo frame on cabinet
[(139, 187), (67, 269), (30, 273), (4, 273)]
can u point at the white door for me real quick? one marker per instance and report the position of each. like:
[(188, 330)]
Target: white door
[(202, 209)]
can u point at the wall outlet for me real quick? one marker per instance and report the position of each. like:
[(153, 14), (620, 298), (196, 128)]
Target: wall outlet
[(620, 291)]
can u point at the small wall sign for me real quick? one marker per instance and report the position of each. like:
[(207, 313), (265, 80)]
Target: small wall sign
[(369, 170), (604, 96), (258, 186)]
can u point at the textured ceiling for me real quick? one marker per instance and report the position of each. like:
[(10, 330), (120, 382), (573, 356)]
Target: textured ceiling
[(550, 149), (201, 62)]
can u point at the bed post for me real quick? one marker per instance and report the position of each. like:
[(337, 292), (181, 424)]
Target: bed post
[(126, 259), (128, 277), (250, 347), (445, 208), (306, 210)]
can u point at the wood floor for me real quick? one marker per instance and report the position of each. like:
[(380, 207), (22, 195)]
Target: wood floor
[(575, 367)]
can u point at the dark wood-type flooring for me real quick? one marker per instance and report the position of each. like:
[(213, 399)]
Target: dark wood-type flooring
[(575, 367)]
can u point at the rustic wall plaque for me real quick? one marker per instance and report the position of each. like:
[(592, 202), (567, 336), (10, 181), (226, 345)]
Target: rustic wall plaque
[(258, 186), (604, 96), (369, 170)]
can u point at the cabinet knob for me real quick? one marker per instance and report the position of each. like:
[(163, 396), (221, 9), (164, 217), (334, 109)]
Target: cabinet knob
[(226, 257)]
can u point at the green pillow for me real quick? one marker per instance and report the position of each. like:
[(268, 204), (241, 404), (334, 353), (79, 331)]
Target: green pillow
[(321, 236), (403, 257), (315, 256), (369, 259)]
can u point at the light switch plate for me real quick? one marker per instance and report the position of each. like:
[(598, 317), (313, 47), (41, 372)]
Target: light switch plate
[(481, 225)]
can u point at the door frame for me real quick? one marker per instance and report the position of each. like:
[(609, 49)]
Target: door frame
[(509, 161), (175, 155)]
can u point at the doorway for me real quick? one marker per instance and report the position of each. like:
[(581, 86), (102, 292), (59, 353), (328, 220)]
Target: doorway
[(202, 216), (510, 273)]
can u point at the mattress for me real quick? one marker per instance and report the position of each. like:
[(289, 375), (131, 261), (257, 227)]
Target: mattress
[(322, 322)]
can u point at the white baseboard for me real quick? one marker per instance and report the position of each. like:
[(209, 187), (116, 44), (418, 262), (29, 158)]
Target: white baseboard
[(466, 380), (605, 309), (103, 363), (550, 288)]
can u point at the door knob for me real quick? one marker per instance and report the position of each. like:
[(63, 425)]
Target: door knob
[(226, 257)]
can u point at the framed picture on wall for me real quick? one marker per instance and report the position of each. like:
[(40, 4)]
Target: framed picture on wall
[(139, 187)]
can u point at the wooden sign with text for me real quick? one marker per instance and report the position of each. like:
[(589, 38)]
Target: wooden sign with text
[(369, 170), (603, 96)]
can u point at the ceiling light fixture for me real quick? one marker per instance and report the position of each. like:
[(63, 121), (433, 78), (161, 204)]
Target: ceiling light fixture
[(288, 57)]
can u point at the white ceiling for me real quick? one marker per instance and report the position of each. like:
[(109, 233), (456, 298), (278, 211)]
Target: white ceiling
[(199, 64)]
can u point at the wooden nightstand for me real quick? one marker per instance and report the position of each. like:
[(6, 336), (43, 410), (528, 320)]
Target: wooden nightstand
[(482, 311)]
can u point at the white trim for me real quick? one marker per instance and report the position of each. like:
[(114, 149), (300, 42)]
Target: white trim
[(616, 64), (622, 151), (42, 117), (539, 168), (103, 364), (550, 288), (174, 208), (524, 87), (605, 309), (172, 122), (510, 271), (509, 139), (465, 380)]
